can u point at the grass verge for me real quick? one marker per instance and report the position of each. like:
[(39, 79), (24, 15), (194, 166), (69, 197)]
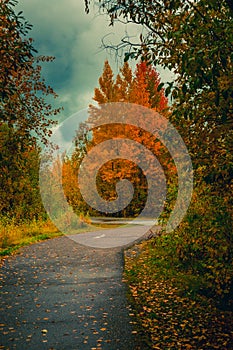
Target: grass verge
[(168, 303), (14, 235)]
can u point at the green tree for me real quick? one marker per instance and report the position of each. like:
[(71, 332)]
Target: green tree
[(24, 113), (193, 39), (19, 189), (22, 90)]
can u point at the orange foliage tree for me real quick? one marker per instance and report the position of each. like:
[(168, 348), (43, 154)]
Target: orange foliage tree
[(138, 87)]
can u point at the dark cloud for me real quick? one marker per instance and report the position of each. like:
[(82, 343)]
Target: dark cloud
[(62, 29)]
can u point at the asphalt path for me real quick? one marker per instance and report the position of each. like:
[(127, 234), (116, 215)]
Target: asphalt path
[(112, 237), (60, 294)]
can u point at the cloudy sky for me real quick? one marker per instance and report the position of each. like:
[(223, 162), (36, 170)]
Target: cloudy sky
[(61, 28)]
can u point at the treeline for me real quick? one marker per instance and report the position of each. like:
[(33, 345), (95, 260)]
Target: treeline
[(203, 241), (25, 116), (194, 40), (20, 196)]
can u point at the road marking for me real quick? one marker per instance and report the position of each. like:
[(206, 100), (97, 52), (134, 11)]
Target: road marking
[(103, 235)]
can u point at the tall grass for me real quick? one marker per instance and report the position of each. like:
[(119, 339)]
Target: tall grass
[(14, 234)]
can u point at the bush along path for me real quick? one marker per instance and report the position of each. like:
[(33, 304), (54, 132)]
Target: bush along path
[(59, 295), (170, 305)]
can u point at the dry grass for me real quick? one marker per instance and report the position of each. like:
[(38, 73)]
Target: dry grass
[(14, 234)]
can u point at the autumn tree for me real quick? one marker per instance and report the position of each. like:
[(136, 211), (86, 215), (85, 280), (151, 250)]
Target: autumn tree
[(193, 39), (25, 114), (139, 87)]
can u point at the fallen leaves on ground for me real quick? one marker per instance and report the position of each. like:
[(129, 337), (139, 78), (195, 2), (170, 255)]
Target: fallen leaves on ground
[(172, 319)]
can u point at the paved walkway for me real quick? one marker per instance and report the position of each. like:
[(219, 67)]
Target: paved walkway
[(58, 295), (111, 238)]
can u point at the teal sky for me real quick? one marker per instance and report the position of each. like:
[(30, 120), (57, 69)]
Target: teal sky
[(61, 28)]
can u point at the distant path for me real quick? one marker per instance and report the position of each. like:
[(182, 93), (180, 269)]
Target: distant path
[(60, 295), (111, 238)]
